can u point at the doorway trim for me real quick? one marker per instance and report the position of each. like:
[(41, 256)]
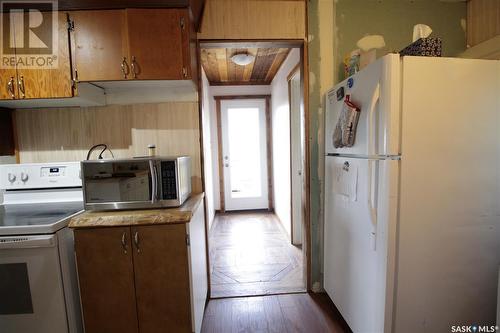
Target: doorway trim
[(291, 75), (269, 144), (303, 45)]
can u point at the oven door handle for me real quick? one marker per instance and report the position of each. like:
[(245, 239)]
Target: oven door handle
[(25, 242), (154, 181)]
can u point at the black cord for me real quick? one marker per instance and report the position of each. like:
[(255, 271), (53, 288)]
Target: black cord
[(105, 147), (102, 151)]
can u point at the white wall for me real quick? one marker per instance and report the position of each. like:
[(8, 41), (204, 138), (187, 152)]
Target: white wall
[(207, 115), (226, 91), (281, 139)]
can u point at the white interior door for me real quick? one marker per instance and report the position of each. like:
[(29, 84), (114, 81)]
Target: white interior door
[(297, 157), (244, 154)]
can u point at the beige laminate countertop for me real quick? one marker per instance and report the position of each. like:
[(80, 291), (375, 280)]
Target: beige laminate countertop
[(182, 214)]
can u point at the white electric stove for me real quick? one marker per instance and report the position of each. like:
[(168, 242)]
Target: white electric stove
[(38, 281)]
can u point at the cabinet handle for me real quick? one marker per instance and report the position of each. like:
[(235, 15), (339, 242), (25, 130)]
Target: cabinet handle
[(124, 66), (10, 87), (136, 242), (21, 87), (124, 244), (133, 65)]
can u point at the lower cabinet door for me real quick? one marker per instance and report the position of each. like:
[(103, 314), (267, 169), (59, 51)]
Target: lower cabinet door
[(162, 278), (106, 276)]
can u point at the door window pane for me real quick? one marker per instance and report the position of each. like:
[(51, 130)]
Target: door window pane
[(244, 151)]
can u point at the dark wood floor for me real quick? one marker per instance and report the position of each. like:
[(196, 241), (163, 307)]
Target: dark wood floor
[(308, 313), (251, 254)]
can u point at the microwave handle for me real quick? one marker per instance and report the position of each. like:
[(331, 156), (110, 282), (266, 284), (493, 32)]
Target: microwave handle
[(154, 181)]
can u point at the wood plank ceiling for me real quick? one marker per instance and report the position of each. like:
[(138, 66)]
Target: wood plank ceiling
[(221, 70)]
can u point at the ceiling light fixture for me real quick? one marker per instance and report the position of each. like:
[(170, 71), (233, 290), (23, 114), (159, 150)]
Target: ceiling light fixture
[(242, 59)]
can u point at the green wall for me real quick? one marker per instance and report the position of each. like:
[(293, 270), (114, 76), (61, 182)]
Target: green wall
[(314, 111), (394, 19), (334, 27)]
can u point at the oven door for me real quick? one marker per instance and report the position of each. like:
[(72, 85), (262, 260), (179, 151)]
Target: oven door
[(31, 288), (121, 184)]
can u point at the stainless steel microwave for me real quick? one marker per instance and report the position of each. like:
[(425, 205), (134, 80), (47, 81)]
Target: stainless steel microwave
[(138, 183)]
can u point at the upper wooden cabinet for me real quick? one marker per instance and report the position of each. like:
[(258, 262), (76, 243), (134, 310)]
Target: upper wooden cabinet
[(132, 44), (196, 6), (99, 44), (23, 82), (483, 29), (483, 20), (8, 77), (158, 43)]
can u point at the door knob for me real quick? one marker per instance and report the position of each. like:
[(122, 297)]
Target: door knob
[(20, 82), (133, 64), (124, 244), (124, 67), (226, 165), (136, 242), (10, 87)]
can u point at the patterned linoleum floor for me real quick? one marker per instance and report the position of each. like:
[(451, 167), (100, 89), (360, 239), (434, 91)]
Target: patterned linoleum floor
[(250, 254)]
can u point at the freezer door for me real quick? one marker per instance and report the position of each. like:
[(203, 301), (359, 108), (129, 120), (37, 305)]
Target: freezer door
[(376, 90), (360, 236)]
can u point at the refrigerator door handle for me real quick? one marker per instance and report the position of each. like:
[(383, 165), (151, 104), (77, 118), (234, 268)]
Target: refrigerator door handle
[(372, 125), (372, 197)]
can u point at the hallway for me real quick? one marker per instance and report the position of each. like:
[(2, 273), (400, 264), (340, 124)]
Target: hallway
[(251, 254)]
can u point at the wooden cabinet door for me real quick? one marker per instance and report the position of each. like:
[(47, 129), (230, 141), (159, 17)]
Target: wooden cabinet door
[(162, 278), (99, 39), (45, 82), (106, 275), (158, 41), (8, 73), (483, 20)]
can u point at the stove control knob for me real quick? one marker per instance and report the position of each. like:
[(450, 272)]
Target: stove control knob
[(12, 178), (24, 177)]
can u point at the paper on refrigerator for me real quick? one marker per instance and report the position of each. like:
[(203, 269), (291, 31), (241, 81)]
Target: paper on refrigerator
[(345, 181)]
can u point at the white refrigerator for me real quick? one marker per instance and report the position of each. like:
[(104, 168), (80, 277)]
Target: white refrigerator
[(412, 209)]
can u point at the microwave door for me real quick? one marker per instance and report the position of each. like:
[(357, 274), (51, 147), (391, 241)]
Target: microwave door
[(118, 183)]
